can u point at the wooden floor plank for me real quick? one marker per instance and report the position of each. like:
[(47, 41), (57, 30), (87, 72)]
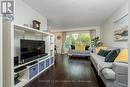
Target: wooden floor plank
[(75, 72)]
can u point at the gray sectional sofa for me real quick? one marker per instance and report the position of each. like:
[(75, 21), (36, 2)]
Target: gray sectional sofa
[(113, 74)]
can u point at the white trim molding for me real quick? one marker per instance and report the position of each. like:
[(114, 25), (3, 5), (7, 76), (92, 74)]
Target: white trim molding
[(1, 57)]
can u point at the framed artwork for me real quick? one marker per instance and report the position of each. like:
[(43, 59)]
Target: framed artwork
[(121, 29)]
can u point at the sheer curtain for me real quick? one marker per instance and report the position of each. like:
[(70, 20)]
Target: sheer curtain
[(92, 33), (63, 41)]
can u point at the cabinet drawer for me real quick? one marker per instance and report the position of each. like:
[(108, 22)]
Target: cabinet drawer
[(52, 60), (47, 62), (33, 70), (41, 66)]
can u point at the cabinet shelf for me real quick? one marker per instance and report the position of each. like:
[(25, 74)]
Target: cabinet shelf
[(32, 71), (22, 83), (20, 71), (15, 67), (29, 29)]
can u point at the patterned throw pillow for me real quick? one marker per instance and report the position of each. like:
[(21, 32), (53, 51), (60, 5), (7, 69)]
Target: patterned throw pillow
[(112, 55)]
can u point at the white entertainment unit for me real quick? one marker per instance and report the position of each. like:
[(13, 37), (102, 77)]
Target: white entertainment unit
[(19, 75), (33, 69)]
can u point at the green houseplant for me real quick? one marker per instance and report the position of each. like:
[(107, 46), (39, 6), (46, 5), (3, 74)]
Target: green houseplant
[(95, 42)]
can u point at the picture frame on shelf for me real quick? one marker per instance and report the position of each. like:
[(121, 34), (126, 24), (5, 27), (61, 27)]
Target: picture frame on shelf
[(36, 24)]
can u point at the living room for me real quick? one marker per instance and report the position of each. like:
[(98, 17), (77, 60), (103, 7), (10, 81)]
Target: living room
[(66, 43)]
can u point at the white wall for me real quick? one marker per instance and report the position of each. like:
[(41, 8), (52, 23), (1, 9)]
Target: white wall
[(1, 63), (107, 28), (25, 14), (1, 56)]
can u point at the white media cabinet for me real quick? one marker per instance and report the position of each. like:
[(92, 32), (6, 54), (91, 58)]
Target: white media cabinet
[(33, 69), (11, 44)]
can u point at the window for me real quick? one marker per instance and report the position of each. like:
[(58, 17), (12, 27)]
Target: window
[(76, 38)]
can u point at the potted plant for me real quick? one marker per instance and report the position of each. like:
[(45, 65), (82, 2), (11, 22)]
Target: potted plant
[(95, 42)]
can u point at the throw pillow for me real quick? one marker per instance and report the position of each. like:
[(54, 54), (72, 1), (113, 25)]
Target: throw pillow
[(103, 52), (73, 47), (112, 55), (80, 48), (123, 56), (87, 47)]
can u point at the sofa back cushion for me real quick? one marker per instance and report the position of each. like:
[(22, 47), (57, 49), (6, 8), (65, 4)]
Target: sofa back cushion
[(103, 53), (112, 55)]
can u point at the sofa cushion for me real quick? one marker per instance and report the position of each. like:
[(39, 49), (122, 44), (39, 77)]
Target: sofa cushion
[(120, 68), (112, 55), (78, 53), (98, 59), (103, 52)]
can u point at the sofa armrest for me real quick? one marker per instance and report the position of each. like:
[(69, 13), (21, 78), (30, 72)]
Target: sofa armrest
[(109, 74), (69, 50)]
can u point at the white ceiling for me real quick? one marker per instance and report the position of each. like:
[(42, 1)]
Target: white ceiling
[(75, 13)]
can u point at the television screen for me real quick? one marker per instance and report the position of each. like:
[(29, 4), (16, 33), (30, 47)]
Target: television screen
[(31, 48)]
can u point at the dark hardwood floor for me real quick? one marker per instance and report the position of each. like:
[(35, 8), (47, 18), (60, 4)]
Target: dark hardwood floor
[(75, 72)]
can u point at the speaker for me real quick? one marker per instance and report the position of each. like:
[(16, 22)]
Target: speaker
[(16, 61)]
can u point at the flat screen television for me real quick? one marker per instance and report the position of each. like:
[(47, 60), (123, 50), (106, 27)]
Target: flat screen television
[(31, 49)]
